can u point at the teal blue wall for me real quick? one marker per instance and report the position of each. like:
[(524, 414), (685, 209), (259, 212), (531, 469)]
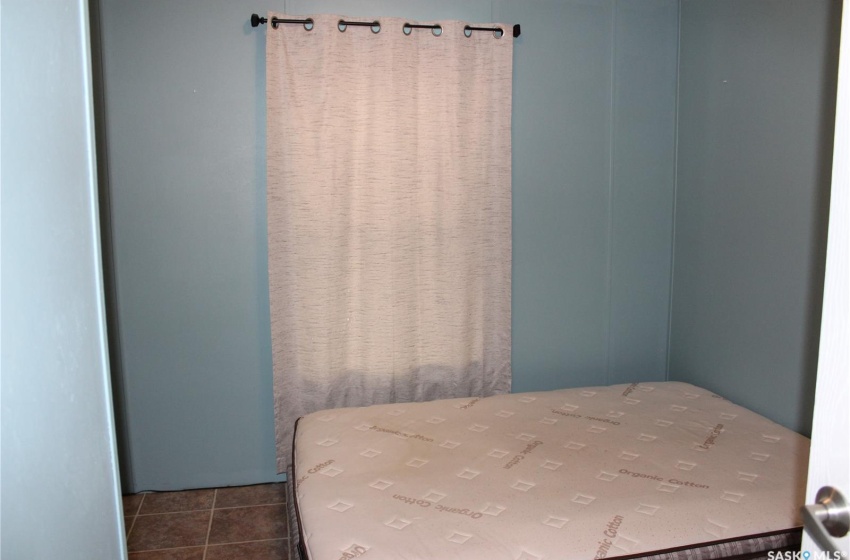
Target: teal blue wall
[(593, 130), (756, 115), (635, 122), (593, 147)]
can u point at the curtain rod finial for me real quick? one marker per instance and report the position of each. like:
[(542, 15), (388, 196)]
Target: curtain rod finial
[(257, 20), (516, 30)]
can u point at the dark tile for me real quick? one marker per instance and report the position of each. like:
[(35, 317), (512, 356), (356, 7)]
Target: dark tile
[(193, 553), (259, 550), (169, 502), (248, 524), (169, 530), (261, 494), (132, 503)]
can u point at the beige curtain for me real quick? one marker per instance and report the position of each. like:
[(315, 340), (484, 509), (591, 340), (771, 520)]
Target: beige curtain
[(389, 215)]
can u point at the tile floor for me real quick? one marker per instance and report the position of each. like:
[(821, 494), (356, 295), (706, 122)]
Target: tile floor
[(242, 522)]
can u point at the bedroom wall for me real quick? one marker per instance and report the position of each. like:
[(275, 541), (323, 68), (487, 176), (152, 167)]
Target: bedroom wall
[(756, 115), (594, 129), (593, 155)]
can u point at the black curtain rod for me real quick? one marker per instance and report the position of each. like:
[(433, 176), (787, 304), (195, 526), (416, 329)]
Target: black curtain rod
[(257, 20)]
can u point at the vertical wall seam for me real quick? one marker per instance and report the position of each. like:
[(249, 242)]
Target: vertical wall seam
[(610, 241), (675, 193)]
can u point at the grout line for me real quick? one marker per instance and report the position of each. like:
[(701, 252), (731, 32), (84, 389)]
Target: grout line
[(173, 512), (246, 542), (136, 516), (138, 509), (165, 549), (205, 509), (132, 524), (254, 505), (209, 527)]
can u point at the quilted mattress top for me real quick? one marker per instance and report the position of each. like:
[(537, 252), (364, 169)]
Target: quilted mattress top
[(584, 473)]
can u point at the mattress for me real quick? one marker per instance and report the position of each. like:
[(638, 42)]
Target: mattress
[(647, 469)]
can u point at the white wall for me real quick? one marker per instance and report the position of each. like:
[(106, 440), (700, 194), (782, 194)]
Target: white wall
[(60, 495)]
